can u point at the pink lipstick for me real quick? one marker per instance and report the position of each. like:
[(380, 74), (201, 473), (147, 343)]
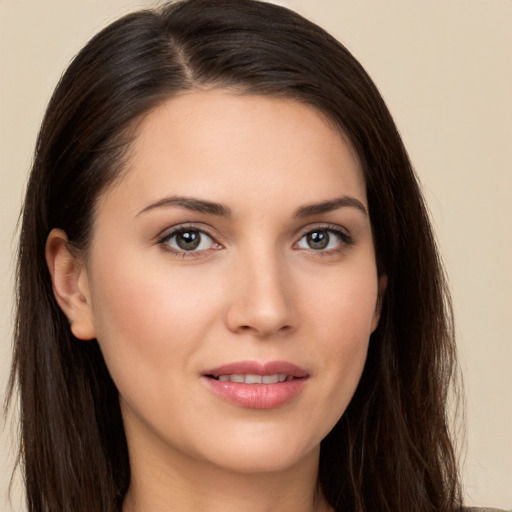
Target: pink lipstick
[(257, 385)]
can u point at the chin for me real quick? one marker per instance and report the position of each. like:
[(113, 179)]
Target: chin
[(267, 453), (263, 461)]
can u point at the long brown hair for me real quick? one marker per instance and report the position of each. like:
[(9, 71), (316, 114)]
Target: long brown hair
[(391, 450)]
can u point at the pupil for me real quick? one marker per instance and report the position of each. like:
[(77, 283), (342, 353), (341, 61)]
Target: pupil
[(188, 240), (318, 239)]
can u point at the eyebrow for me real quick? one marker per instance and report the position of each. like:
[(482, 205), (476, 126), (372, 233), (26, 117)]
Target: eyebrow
[(209, 207), (190, 203), (330, 205)]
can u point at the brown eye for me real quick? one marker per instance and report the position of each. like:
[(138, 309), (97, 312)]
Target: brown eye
[(189, 240), (317, 239), (323, 239)]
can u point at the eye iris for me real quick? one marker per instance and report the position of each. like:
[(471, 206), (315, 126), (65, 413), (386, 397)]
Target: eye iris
[(318, 239), (188, 240)]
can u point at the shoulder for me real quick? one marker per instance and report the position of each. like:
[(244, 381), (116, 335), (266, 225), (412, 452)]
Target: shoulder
[(480, 509)]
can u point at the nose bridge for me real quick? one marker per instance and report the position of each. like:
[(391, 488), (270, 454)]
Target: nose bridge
[(261, 301)]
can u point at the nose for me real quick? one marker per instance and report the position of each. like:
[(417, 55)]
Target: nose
[(261, 299)]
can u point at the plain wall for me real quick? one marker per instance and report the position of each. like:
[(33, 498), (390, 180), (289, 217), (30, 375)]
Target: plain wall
[(445, 71)]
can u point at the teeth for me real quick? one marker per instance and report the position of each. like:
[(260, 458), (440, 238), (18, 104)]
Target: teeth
[(251, 378)]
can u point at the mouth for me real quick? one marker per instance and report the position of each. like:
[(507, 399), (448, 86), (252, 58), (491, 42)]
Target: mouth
[(257, 385), (252, 378), (254, 372)]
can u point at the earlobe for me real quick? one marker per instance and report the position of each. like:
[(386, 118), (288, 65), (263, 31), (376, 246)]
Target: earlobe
[(383, 284), (70, 285)]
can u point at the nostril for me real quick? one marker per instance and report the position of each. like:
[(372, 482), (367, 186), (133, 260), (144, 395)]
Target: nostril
[(264, 331), (259, 315)]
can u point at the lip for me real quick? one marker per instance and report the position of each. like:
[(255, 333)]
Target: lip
[(257, 396)]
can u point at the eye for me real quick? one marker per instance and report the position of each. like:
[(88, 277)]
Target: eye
[(323, 239), (188, 240)]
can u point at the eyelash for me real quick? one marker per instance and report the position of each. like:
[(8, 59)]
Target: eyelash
[(163, 241), (346, 240)]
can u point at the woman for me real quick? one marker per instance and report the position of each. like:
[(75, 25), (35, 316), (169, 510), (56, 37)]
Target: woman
[(229, 292)]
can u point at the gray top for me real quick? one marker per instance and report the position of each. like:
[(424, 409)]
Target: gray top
[(478, 509)]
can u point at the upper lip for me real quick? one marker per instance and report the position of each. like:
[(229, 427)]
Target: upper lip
[(258, 368)]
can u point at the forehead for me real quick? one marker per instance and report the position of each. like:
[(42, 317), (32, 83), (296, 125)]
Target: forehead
[(220, 145)]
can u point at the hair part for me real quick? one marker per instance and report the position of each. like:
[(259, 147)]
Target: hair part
[(391, 450)]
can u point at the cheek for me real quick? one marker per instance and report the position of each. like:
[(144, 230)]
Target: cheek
[(344, 321), (344, 305), (148, 321)]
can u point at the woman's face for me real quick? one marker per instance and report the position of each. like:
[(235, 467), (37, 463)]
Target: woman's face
[(232, 282)]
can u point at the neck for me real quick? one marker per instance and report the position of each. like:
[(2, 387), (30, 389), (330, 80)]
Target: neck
[(165, 482)]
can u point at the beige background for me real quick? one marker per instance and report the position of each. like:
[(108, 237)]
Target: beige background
[(445, 70)]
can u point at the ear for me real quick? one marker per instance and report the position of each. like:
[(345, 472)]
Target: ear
[(70, 285), (383, 284)]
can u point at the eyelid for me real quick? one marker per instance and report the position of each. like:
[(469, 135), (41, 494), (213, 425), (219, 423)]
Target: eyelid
[(336, 228), (163, 238), (166, 234), (345, 235)]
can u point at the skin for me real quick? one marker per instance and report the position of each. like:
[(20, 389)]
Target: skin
[(254, 290)]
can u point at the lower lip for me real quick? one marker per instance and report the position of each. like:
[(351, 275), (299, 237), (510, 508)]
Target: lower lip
[(257, 396)]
